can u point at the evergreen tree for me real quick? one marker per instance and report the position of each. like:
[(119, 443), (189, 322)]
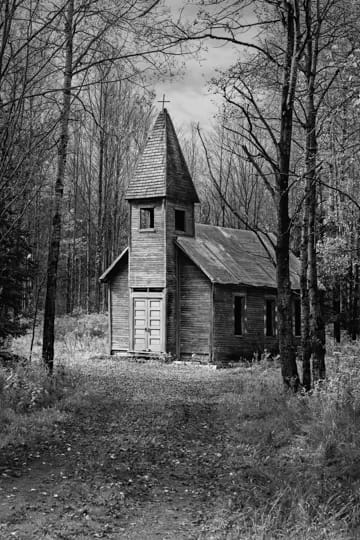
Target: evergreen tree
[(15, 271)]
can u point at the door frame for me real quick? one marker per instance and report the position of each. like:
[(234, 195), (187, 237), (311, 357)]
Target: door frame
[(148, 294)]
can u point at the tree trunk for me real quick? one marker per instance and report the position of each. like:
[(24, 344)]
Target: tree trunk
[(305, 310), (55, 235), (68, 307), (355, 303), (316, 324), (100, 225), (284, 302), (336, 312), (88, 268), (317, 327)]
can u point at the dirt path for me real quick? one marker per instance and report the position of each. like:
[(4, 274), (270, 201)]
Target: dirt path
[(140, 458)]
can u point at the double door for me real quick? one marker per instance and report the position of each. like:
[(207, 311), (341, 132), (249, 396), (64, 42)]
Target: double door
[(147, 323)]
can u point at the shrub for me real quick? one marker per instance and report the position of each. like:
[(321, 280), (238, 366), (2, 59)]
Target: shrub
[(31, 402), (28, 387), (82, 332)]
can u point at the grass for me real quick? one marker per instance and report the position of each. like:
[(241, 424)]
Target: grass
[(31, 404), (228, 452)]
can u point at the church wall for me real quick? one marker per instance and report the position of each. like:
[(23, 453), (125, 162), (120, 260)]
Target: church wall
[(227, 345), (194, 311), (119, 310), (147, 247), (171, 267)]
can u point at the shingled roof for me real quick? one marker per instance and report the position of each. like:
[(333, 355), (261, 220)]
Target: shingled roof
[(161, 170), (235, 257)]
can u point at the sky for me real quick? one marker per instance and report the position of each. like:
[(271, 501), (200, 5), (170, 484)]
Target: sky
[(190, 96), (189, 93)]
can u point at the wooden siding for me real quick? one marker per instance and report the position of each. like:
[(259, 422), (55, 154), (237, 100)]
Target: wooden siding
[(195, 310), (172, 310), (119, 292), (147, 247), (153, 256), (228, 346)]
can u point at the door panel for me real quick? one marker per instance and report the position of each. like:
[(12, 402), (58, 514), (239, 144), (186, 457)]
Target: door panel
[(147, 324), (154, 324), (140, 337)]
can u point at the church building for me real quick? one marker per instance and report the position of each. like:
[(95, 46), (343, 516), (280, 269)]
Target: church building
[(190, 290)]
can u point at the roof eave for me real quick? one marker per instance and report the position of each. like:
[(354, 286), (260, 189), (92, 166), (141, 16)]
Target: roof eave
[(139, 196), (105, 276), (195, 262)]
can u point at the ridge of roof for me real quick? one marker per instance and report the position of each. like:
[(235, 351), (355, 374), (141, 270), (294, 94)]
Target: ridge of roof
[(162, 170)]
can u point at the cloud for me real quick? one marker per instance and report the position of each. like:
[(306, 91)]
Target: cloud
[(191, 99)]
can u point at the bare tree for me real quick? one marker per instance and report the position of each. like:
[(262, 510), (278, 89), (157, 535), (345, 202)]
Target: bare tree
[(278, 85), (328, 24), (108, 32), (55, 235), (243, 89)]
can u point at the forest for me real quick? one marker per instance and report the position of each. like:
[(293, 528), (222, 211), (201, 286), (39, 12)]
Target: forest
[(76, 107), (281, 158)]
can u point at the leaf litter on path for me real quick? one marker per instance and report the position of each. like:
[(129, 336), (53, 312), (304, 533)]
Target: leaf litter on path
[(147, 451)]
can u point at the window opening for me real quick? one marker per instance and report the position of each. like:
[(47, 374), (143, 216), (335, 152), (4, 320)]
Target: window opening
[(148, 289), (270, 317), (180, 220), (239, 308), (146, 218)]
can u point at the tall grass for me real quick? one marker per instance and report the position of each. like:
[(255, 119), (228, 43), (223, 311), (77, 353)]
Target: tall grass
[(74, 335), (30, 402), (82, 333), (295, 458)]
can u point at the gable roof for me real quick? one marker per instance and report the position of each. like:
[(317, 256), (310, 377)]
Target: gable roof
[(161, 170), (114, 265), (235, 257), (228, 257)]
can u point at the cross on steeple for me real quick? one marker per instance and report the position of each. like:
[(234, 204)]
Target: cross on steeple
[(163, 101)]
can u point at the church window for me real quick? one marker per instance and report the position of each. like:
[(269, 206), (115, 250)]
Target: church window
[(146, 218), (270, 318), (239, 315), (180, 220)]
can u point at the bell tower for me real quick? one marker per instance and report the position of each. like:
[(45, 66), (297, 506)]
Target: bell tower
[(161, 196)]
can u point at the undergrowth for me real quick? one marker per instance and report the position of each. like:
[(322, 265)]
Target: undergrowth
[(288, 465), (74, 335), (30, 402), (300, 455), (82, 333)]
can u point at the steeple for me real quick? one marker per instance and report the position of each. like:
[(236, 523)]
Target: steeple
[(162, 170)]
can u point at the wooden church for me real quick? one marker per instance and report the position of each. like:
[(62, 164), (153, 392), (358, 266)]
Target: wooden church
[(194, 291)]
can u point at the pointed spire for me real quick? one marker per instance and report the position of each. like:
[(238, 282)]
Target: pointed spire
[(162, 170)]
